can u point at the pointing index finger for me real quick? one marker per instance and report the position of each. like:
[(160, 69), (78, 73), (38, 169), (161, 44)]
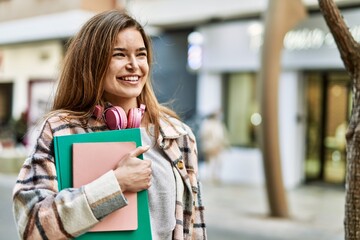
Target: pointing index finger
[(139, 150)]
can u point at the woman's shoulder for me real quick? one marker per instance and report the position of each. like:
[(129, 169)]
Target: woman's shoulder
[(176, 127), (62, 123), (45, 129), (57, 117), (60, 119)]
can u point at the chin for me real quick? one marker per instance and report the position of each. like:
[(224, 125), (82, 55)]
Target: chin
[(131, 95)]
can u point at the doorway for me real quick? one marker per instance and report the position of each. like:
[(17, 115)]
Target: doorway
[(328, 100), (6, 96)]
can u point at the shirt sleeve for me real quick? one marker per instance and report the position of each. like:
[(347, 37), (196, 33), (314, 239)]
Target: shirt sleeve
[(43, 212)]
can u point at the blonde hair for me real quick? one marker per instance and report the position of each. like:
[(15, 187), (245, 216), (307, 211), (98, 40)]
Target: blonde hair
[(88, 56)]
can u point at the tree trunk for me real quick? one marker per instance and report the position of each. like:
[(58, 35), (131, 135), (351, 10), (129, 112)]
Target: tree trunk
[(350, 54), (281, 16)]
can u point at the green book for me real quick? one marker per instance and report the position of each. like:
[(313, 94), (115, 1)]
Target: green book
[(63, 161)]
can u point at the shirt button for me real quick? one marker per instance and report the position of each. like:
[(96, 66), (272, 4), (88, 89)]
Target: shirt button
[(180, 164)]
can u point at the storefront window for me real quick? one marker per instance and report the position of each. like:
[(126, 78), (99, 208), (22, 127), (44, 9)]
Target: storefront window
[(314, 96), (328, 103), (241, 109)]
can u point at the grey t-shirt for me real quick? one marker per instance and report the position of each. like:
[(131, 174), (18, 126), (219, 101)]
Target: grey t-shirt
[(162, 193)]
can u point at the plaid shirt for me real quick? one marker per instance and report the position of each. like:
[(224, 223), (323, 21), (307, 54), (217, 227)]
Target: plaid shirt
[(43, 212)]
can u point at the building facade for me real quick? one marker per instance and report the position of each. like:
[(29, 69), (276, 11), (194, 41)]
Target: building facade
[(314, 98)]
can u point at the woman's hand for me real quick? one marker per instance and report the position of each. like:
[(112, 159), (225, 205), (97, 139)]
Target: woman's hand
[(132, 173)]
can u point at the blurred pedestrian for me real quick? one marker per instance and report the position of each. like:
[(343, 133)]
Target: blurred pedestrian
[(107, 68), (214, 140)]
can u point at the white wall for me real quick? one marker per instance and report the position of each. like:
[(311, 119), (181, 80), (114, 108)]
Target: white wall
[(209, 93), (24, 62), (291, 139), (229, 47)]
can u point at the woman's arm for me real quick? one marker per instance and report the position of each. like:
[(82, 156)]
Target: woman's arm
[(43, 212)]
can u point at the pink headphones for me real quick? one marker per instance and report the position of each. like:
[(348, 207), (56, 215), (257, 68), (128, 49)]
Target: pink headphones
[(116, 119)]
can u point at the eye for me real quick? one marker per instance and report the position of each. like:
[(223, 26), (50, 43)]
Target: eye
[(118, 54), (142, 54)]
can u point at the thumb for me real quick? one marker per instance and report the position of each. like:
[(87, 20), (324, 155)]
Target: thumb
[(139, 150)]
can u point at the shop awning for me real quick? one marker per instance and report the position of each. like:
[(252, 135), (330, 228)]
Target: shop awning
[(44, 27)]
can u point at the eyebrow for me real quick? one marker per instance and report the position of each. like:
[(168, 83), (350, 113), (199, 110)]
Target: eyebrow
[(124, 49)]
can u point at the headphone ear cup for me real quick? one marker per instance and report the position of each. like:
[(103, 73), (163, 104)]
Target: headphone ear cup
[(134, 118), (115, 118)]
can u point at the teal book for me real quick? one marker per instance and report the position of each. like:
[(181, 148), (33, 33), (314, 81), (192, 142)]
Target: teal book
[(63, 148)]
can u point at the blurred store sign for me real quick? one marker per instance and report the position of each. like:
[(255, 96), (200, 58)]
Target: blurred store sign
[(299, 39), (304, 39), (308, 39)]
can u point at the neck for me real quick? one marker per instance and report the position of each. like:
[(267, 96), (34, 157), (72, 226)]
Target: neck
[(126, 104)]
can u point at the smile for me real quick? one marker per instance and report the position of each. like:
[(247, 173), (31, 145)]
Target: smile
[(129, 78)]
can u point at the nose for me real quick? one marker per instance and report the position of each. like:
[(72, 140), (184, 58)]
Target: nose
[(132, 64)]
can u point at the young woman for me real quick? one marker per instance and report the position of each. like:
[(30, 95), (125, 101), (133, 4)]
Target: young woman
[(108, 64)]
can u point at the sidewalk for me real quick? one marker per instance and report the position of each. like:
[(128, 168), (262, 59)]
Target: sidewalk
[(240, 212)]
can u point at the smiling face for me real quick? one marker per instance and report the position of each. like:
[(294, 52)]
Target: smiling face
[(128, 70)]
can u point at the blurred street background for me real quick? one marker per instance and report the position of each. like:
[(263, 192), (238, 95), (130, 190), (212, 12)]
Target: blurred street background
[(207, 61)]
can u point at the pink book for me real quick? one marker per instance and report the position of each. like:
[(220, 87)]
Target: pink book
[(92, 160)]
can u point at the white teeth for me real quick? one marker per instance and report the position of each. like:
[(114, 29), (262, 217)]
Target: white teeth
[(130, 78)]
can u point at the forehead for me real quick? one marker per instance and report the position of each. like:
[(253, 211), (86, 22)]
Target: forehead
[(130, 36)]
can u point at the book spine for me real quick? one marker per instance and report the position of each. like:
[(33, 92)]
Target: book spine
[(57, 162)]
